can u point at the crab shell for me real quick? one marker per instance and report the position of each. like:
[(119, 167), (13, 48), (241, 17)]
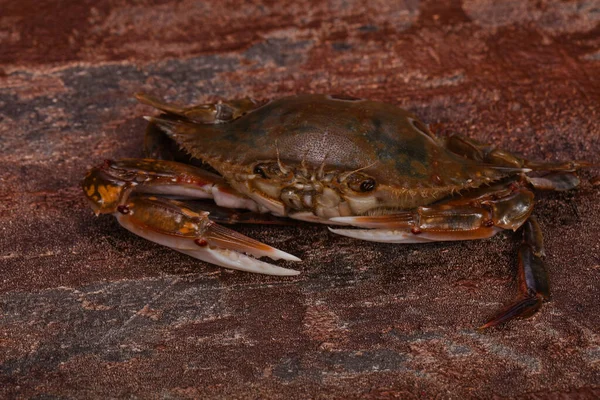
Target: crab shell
[(316, 157)]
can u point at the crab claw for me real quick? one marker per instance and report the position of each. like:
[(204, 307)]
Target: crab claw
[(172, 224)]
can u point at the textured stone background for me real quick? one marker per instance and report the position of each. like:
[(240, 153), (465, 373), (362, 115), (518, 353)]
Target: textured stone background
[(91, 311)]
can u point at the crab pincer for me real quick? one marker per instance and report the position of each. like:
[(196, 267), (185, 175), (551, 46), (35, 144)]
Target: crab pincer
[(143, 197), (173, 224)]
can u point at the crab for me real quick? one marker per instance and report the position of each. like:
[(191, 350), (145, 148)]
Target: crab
[(371, 170)]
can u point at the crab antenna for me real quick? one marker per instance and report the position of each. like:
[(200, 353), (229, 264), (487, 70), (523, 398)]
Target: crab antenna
[(303, 163), (282, 167), (320, 172), (345, 175)]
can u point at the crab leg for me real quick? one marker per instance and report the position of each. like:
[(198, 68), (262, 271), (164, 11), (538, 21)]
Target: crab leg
[(421, 226), (478, 217), (462, 219), (556, 175), (555, 181), (204, 113), (532, 278), (559, 176), (231, 216), (170, 223), (158, 145), (477, 151), (108, 185)]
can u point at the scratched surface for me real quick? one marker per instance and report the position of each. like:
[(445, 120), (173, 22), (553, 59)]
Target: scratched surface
[(91, 311)]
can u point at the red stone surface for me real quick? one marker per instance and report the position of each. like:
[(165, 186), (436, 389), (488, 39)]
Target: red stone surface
[(91, 311)]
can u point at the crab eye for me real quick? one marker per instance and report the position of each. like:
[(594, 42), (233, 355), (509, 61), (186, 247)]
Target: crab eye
[(260, 170), (361, 183), (367, 185)]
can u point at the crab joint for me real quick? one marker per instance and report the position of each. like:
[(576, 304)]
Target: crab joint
[(104, 192)]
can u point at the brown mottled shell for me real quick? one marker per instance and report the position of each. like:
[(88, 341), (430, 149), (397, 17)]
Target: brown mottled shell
[(342, 133)]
